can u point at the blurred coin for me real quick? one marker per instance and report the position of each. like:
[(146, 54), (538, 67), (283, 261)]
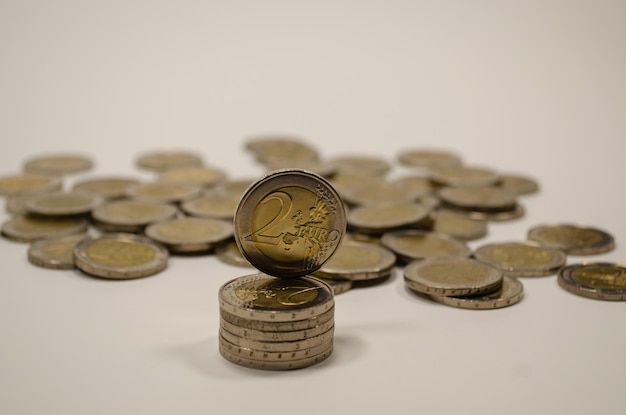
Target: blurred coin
[(109, 188), (216, 205), (276, 365), (429, 159), (58, 164), (289, 222), (16, 205), (452, 277), (515, 212), (520, 185), (572, 239), (511, 292), (131, 215), (520, 259), (28, 184), (413, 244), (268, 148), (163, 192), (55, 253), (361, 165), (120, 256), (198, 176), (62, 203), (465, 176), (168, 159), (458, 226), (190, 234), (322, 168), (421, 183), (265, 298), (597, 280), (234, 187), (358, 261), (229, 253), (32, 228), (478, 198), (383, 193), (345, 183), (378, 219)]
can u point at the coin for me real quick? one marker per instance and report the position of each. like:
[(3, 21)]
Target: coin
[(62, 203), (233, 187), (268, 148), (429, 159), (597, 280), (520, 259), (58, 164), (229, 253), (168, 159), (358, 261), (465, 176), (28, 184), (55, 253), (414, 244), (478, 198), (267, 356), (572, 239), (515, 212), (217, 206), (32, 228), (109, 188), (278, 346), (120, 256), (289, 222), (344, 183), (361, 165), (131, 215), (323, 168), (275, 336), (304, 324), (378, 219), (15, 205), (163, 192), (452, 277), (520, 185), (421, 183), (511, 292), (198, 176), (383, 193), (458, 226), (262, 297), (190, 234)]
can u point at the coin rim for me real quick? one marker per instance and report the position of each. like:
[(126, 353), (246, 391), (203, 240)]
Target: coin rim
[(511, 296)]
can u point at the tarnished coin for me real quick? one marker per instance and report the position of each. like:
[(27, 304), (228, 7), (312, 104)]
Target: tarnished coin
[(452, 277), (511, 292), (163, 192), (289, 223), (572, 239), (413, 244), (478, 198), (305, 324), (520, 259), (168, 159), (266, 298), (383, 193), (58, 164), (120, 256), (278, 346), (597, 280), (276, 147), (276, 365), (378, 219), (429, 159), (229, 253), (357, 261), (216, 205), (55, 253), (465, 176), (32, 228), (361, 165), (520, 185), (109, 188), (275, 336), (131, 215), (198, 176), (190, 234), (267, 356), (63, 203), (458, 226), (28, 184)]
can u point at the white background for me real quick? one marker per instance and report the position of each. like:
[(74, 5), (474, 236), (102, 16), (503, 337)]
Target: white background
[(534, 87)]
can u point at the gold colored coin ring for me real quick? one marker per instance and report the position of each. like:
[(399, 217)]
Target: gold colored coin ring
[(558, 259), (282, 326), (276, 365), (91, 267), (357, 272), (490, 281), (568, 283), (230, 303), (511, 293), (278, 346), (275, 336), (605, 244), (37, 256), (13, 228)]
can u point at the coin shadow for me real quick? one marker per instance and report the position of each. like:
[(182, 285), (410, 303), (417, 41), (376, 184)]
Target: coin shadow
[(346, 349)]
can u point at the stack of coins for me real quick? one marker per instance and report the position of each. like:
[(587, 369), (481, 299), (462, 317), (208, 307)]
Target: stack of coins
[(287, 225)]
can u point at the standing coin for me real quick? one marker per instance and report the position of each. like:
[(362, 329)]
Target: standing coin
[(28, 184), (168, 159), (32, 228), (511, 292), (109, 188), (62, 204), (190, 234), (412, 244), (131, 215), (520, 259), (572, 239), (599, 280), (58, 164), (55, 253), (452, 277), (289, 223), (120, 256)]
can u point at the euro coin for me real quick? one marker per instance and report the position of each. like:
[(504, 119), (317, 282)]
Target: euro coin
[(357, 261), (190, 234), (511, 292), (410, 245), (520, 259), (28, 184), (54, 253), (162, 160), (573, 239), (597, 280), (32, 228), (62, 203), (58, 164)]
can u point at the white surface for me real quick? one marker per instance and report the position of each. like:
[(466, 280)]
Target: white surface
[(535, 87)]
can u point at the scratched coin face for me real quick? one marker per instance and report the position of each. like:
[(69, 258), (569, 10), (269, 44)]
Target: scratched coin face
[(289, 222)]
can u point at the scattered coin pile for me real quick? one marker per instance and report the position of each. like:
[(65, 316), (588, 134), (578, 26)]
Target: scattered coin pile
[(290, 226)]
